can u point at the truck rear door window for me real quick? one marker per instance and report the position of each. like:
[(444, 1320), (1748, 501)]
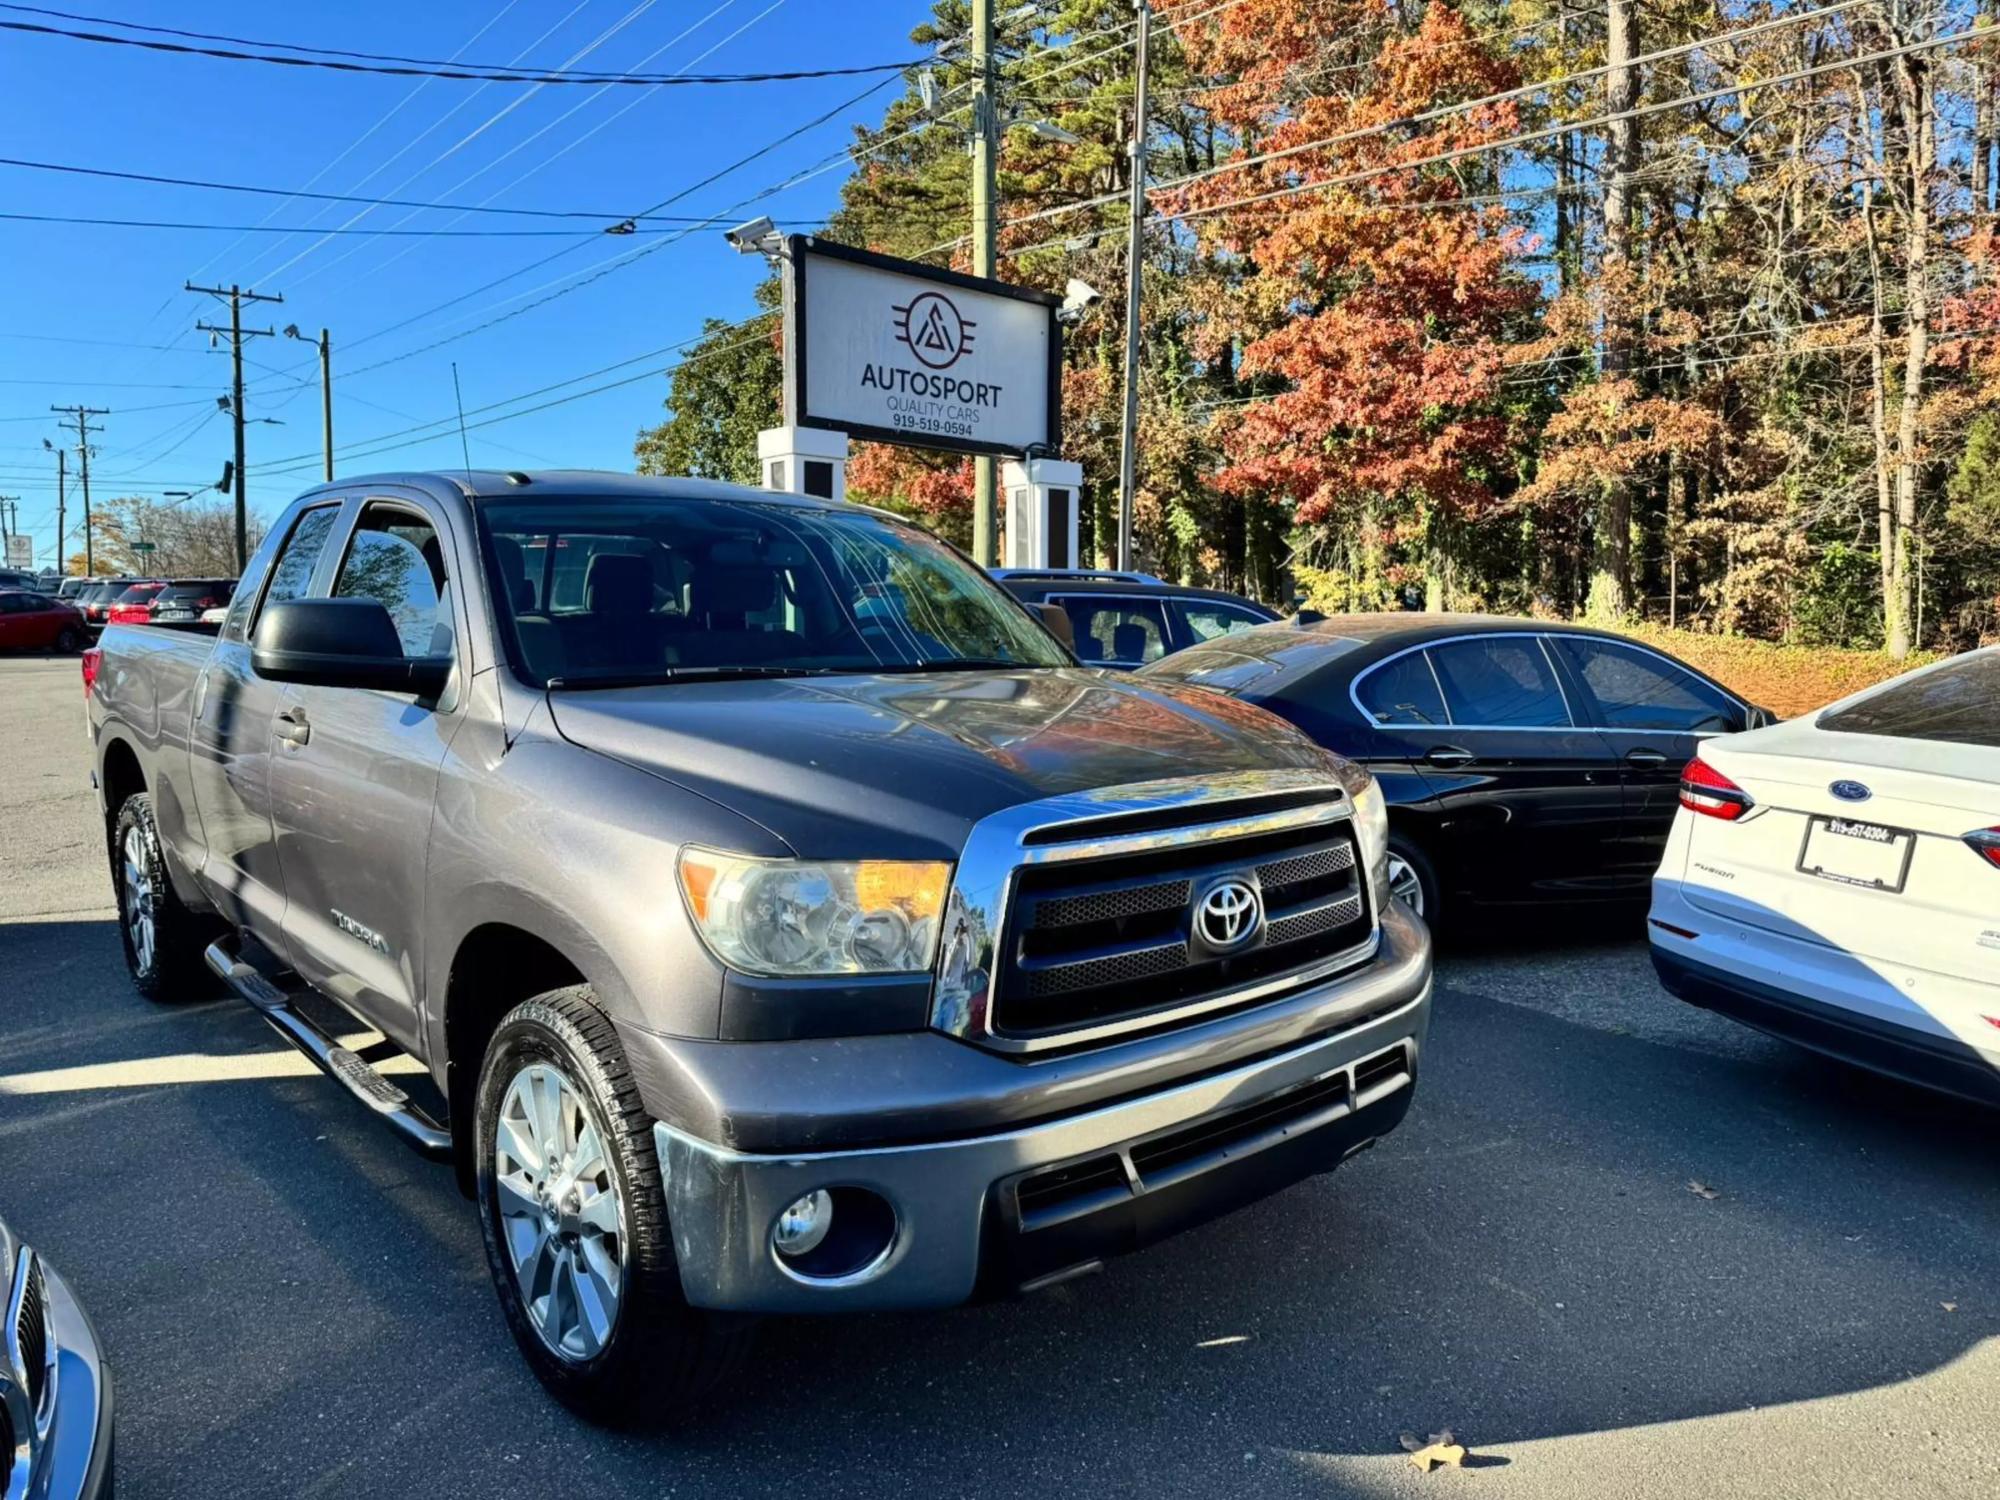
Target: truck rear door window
[(297, 559)]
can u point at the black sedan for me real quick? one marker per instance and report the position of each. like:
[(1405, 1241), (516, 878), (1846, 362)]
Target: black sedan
[(1125, 620), (1522, 761)]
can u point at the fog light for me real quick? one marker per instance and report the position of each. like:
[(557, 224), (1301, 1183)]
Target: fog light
[(804, 1224)]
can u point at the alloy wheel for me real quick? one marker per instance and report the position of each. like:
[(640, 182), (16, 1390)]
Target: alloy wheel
[(1403, 882), (562, 1217), (138, 899)]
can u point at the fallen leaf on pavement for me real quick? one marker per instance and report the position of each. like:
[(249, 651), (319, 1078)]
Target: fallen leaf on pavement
[(1440, 1451), (1949, 1306), (1702, 1190)]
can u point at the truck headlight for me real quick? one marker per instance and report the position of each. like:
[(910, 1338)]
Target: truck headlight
[(1371, 827), (790, 918)]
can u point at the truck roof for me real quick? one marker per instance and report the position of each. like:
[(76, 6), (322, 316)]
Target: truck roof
[(578, 484)]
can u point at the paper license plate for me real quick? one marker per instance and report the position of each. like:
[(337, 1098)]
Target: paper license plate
[(1856, 853)]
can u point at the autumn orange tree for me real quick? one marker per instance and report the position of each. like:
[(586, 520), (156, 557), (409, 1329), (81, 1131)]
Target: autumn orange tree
[(1375, 308)]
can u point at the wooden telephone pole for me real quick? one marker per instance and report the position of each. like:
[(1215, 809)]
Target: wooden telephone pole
[(237, 334)]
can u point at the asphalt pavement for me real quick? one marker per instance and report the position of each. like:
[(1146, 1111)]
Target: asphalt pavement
[(1620, 1248)]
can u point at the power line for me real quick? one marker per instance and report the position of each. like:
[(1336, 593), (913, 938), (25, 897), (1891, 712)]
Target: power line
[(439, 70), (370, 447), (617, 262), (1430, 116), (276, 192), (1367, 174), (626, 226), (589, 99)]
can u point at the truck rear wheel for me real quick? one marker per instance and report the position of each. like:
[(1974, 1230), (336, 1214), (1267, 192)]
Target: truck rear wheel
[(575, 1221), (162, 938)]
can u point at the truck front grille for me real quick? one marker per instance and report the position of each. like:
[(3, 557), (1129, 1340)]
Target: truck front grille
[(31, 1334), (1114, 939)]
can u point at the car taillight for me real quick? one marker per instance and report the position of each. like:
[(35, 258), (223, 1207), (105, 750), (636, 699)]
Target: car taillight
[(1986, 843), (93, 658), (1707, 791)]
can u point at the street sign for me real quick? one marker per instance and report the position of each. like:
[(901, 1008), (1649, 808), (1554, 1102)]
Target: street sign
[(145, 546), (897, 352), (20, 551)]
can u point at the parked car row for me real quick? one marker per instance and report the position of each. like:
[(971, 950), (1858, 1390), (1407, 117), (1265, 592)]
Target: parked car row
[(79, 607)]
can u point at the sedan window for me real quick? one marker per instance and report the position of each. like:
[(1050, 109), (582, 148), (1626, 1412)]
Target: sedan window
[(1126, 631), (1958, 702), (1403, 691), (1500, 681), (1634, 689), (1208, 620)]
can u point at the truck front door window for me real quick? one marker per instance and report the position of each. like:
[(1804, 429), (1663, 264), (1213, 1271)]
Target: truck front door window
[(397, 558)]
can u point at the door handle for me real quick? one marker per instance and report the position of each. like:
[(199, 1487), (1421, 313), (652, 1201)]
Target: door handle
[(1647, 758), (1448, 756), (292, 726)]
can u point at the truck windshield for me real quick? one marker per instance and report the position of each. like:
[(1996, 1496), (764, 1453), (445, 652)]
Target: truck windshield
[(595, 592)]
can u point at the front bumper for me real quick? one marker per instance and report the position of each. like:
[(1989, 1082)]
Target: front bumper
[(73, 1460), (1107, 1179)]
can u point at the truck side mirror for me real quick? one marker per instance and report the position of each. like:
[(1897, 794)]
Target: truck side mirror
[(1059, 624), (341, 643)]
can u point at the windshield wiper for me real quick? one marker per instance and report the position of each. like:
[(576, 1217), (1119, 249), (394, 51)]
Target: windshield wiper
[(951, 664), (687, 674)]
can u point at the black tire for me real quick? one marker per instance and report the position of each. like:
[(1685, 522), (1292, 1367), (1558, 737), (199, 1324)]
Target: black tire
[(661, 1353), (1430, 896), (69, 641), (168, 967)]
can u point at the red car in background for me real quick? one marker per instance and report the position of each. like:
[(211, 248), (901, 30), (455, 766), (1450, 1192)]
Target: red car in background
[(35, 622), (135, 605), (96, 601)]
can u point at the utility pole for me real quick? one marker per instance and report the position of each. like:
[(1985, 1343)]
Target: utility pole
[(83, 432), (237, 334), (985, 248), (62, 515), (1128, 441), (1611, 570), (325, 391)]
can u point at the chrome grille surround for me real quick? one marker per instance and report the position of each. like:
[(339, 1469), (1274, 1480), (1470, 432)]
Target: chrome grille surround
[(27, 1375), (1031, 834)]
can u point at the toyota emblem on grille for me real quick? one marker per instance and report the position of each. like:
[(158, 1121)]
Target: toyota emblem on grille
[(1229, 915)]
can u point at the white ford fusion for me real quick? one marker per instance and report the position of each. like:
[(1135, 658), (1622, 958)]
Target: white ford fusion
[(1835, 879)]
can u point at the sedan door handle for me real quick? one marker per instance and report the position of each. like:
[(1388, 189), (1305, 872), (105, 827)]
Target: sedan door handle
[(292, 726), (1647, 758), (1448, 755)]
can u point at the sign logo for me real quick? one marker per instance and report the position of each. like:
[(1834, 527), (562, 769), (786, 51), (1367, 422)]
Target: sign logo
[(931, 325), (1229, 915), (1850, 791)]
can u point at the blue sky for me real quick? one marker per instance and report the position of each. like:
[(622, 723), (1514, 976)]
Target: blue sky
[(616, 150)]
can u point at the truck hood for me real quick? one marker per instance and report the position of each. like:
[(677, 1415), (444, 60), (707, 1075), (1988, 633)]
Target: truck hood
[(903, 766)]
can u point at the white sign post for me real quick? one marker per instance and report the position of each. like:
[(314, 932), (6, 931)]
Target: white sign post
[(20, 551), (897, 352)]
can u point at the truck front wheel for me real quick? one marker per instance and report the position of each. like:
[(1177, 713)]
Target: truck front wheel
[(162, 938), (575, 1222)]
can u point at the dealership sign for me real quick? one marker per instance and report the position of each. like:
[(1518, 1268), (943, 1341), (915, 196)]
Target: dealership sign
[(896, 352)]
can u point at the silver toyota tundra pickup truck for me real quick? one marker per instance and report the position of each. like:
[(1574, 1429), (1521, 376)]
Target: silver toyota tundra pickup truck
[(779, 918)]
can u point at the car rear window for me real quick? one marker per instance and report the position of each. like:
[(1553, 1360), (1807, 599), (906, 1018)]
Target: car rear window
[(215, 589), (1958, 702)]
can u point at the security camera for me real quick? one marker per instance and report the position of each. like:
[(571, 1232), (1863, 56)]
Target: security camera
[(758, 237), (1079, 297)]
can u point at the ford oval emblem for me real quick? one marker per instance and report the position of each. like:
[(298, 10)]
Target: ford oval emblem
[(1850, 791)]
